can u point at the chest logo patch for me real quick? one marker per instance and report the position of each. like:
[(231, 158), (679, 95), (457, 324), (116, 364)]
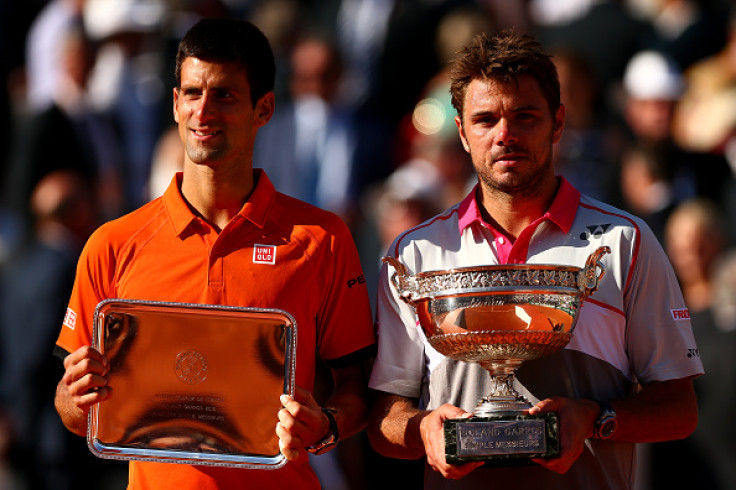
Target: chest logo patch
[(264, 254)]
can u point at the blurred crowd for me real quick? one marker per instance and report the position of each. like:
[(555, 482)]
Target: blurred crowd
[(363, 127)]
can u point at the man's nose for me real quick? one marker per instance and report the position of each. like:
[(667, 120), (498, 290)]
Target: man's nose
[(506, 133), (205, 106)]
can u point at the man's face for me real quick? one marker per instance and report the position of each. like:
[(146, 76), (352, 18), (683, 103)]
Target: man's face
[(509, 131), (216, 118), (650, 119)]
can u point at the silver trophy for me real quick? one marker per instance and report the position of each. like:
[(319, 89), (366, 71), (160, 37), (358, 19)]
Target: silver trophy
[(500, 316), (192, 383)]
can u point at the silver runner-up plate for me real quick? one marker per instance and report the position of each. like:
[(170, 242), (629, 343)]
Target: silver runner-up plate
[(195, 384)]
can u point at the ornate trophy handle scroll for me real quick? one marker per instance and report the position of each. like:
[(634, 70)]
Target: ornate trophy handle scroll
[(594, 271), (400, 273)]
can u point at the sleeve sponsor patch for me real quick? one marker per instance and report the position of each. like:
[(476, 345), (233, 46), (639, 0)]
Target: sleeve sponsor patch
[(70, 319), (680, 314)]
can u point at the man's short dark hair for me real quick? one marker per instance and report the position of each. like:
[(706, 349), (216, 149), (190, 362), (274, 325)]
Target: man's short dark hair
[(504, 58), (224, 40)]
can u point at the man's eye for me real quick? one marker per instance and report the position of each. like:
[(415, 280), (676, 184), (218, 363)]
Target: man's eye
[(486, 121)]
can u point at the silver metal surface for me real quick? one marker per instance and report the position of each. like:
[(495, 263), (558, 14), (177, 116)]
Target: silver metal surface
[(499, 316), (196, 384)]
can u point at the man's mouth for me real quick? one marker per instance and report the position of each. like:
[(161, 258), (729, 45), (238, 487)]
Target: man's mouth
[(508, 158), (205, 133)]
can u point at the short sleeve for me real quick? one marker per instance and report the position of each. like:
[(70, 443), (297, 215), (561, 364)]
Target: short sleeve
[(400, 363), (345, 323), (92, 284)]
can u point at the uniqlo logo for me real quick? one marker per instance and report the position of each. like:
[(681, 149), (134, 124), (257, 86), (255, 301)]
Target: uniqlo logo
[(682, 314), (264, 254), (70, 319)]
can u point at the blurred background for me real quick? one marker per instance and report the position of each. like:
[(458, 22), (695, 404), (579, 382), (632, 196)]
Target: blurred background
[(363, 127)]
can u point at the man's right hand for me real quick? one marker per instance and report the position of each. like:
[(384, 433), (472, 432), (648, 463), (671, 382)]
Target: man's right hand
[(84, 383), (433, 436)]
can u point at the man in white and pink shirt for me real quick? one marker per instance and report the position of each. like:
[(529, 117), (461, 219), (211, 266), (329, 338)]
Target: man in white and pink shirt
[(632, 356)]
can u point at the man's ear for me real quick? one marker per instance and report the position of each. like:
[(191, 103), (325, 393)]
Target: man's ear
[(559, 123), (264, 109), (176, 98), (461, 132)]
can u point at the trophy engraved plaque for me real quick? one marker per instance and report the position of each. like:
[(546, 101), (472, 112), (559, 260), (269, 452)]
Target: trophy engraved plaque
[(191, 383), (500, 316)]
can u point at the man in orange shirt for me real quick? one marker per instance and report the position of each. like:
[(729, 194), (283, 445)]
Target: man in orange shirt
[(221, 234)]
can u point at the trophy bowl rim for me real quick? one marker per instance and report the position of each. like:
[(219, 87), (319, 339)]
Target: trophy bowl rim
[(480, 291), (499, 267)]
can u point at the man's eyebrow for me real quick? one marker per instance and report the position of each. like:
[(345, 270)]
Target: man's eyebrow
[(211, 88), (482, 113), (523, 108)]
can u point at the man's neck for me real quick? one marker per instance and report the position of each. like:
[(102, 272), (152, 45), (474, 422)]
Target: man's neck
[(217, 198), (512, 213)]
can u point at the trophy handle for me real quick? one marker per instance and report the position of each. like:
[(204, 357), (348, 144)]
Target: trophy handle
[(594, 271), (400, 273)]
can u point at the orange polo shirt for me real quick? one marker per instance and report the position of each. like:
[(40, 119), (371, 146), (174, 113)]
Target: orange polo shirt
[(278, 252)]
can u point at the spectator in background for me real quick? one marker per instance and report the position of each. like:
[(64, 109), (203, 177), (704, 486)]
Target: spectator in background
[(604, 31), (282, 22), (308, 146), (168, 159), (586, 153), (34, 289), (371, 36), (645, 186), (705, 117), (695, 242), (67, 134), (405, 199), (427, 135), (694, 239), (687, 30), (44, 51), (653, 85), (127, 82)]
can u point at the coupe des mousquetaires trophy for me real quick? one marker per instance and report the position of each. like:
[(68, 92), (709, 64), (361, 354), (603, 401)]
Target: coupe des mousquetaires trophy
[(500, 316)]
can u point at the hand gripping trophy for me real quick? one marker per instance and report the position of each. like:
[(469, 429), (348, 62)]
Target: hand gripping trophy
[(500, 316)]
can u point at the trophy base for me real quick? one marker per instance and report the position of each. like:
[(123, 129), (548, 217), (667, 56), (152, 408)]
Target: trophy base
[(502, 440)]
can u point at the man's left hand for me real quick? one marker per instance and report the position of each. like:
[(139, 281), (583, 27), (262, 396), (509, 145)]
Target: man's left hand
[(576, 425), (301, 424)]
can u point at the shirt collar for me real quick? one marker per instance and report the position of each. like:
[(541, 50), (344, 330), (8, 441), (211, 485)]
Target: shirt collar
[(561, 212), (254, 210)]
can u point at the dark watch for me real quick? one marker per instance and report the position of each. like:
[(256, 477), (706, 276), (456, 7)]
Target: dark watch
[(332, 437), (605, 425)]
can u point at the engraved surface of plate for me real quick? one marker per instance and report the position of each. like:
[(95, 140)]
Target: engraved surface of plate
[(195, 384)]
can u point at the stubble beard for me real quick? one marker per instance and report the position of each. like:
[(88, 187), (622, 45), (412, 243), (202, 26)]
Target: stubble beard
[(203, 155), (514, 184)]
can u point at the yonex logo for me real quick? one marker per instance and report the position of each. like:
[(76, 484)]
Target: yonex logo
[(264, 254), (594, 231), (681, 314)]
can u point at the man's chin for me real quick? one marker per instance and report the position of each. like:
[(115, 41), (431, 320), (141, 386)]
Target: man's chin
[(203, 156)]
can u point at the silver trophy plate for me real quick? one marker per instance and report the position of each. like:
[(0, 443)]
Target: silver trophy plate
[(195, 384)]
